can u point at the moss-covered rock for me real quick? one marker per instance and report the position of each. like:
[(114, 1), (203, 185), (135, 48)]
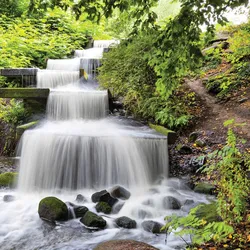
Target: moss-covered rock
[(208, 212), (103, 207), (92, 220), (8, 179), (52, 209), (125, 222), (204, 188)]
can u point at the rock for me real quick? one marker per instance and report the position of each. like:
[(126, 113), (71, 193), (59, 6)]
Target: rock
[(117, 207), (120, 193), (105, 196), (8, 179), (170, 202), (52, 209), (124, 244), (204, 188), (200, 143), (152, 226), (208, 212), (103, 207), (125, 222), (193, 136), (92, 220), (8, 198), (188, 202), (194, 163), (243, 100), (185, 150), (80, 198), (80, 211)]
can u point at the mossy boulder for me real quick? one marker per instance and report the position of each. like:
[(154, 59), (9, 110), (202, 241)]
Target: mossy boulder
[(125, 222), (208, 212), (204, 188), (92, 220), (124, 244), (104, 196), (8, 179), (103, 207), (52, 209)]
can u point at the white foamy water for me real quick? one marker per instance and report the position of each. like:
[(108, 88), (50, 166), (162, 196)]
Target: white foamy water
[(64, 64), (105, 43), (77, 149), (90, 66), (55, 78), (89, 53), (66, 104)]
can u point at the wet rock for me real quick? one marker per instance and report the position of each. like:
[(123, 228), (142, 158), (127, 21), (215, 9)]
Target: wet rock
[(103, 207), (194, 163), (92, 220), (185, 150), (188, 202), (120, 193), (125, 222), (200, 143), (80, 211), (124, 244), (205, 188), (170, 202), (152, 226), (8, 198), (105, 196), (80, 198), (193, 136), (52, 209), (117, 207)]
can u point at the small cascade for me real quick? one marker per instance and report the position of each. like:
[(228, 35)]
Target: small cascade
[(89, 53), (76, 104), (54, 78), (90, 65), (64, 64), (105, 43)]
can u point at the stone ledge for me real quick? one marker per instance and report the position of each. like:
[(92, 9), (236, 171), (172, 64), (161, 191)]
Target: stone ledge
[(24, 93)]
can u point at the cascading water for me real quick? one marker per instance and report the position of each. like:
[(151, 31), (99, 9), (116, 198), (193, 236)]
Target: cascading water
[(78, 149)]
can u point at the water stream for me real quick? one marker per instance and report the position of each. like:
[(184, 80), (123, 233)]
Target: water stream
[(79, 149)]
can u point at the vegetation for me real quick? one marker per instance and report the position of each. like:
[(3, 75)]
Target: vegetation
[(7, 179), (230, 166)]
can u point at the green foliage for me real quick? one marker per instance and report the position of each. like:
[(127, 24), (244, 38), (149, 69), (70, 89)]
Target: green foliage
[(7, 179), (199, 229), (13, 111), (13, 8), (230, 165)]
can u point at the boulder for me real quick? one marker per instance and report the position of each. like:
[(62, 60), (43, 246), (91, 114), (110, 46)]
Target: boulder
[(205, 188), (103, 207), (120, 193), (105, 196), (152, 226), (200, 143), (170, 202), (76, 211), (193, 136), (185, 150), (52, 209), (124, 244), (92, 220), (8, 198), (125, 222), (80, 198)]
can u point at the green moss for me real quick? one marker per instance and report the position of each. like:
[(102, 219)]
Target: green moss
[(103, 207), (204, 188), (23, 93), (208, 212), (93, 220), (160, 129), (51, 208), (7, 179)]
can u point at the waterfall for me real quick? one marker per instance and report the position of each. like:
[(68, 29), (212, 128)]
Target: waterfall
[(89, 53), (78, 146)]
